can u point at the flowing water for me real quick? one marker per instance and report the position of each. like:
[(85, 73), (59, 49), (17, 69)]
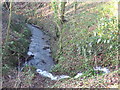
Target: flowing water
[(40, 48)]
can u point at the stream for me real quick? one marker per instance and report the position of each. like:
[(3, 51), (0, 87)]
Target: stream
[(42, 60), (40, 49)]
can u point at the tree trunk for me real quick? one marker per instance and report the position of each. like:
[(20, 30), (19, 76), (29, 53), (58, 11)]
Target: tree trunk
[(75, 6), (62, 11)]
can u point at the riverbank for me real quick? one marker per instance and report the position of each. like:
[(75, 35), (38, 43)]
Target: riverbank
[(88, 40), (15, 41), (16, 55)]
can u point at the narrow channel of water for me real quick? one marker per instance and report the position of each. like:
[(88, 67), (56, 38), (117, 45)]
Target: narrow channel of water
[(40, 49)]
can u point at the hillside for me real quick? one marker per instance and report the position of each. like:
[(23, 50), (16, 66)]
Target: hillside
[(86, 39)]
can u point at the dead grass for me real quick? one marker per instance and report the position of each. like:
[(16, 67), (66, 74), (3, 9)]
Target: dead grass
[(110, 80)]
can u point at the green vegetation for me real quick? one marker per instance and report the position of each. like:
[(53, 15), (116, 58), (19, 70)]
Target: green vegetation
[(16, 47), (87, 38)]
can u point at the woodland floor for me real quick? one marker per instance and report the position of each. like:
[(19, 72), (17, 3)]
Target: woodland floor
[(15, 79)]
